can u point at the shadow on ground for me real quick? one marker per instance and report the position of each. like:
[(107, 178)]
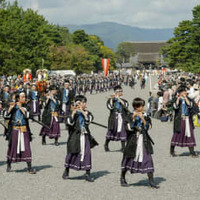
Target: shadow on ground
[(60, 144), (188, 154), (3, 163), (145, 182), (37, 168), (94, 175)]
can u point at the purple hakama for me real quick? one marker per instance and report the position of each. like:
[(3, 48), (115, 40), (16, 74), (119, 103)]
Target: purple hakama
[(113, 135), (53, 132), (179, 139), (24, 156), (73, 161), (143, 167)]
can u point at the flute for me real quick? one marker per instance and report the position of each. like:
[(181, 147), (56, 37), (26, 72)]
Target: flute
[(14, 103)]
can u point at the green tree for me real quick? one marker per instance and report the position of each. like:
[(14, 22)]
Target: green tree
[(27, 38), (183, 49), (79, 37), (124, 51)]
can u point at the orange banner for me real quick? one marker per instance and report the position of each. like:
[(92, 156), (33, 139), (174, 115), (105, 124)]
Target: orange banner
[(105, 65)]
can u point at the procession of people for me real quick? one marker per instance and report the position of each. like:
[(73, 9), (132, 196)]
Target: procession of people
[(62, 99)]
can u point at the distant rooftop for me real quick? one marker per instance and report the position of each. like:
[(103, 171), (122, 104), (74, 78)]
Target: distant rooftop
[(148, 46)]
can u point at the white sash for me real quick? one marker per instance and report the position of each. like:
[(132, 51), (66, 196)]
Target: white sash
[(139, 150), (20, 142), (56, 119), (187, 127), (119, 124), (64, 107), (34, 106), (82, 141)]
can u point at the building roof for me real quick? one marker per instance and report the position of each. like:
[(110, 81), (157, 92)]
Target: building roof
[(148, 47), (148, 57)]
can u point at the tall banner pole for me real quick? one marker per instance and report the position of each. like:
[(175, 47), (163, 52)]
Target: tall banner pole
[(105, 65)]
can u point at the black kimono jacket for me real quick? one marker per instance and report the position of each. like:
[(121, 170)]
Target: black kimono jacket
[(113, 110), (30, 97), (46, 115), (71, 96), (11, 116), (73, 143), (131, 145), (5, 103), (178, 113)]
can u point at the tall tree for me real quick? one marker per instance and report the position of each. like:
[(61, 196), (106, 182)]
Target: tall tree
[(27, 38), (124, 51), (183, 49)]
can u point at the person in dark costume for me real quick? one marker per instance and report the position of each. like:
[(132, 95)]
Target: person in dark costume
[(66, 97), (34, 98), (27, 91), (80, 141), (21, 87), (142, 84), (5, 97), (50, 117), (116, 122), (19, 134), (137, 153), (183, 123)]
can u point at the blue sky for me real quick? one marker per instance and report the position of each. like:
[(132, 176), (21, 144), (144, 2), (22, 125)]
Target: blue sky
[(140, 13)]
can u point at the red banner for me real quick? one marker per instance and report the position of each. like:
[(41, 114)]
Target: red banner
[(163, 71), (105, 64)]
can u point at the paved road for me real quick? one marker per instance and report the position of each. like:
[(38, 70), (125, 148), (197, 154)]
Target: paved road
[(179, 177)]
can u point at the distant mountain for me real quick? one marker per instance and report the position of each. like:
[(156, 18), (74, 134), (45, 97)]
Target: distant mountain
[(113, 33)]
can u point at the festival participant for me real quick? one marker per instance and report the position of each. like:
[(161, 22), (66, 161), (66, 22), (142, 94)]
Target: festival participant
[(142, 83), (39, 75), (5, 97), (183, 124), (66, 96), (166, 95), (27, 75), (34, 97), (96, 85), (191, 87), (91, 84), (27, 91), (137, 153), (50, 117), (19, 134), (80, 140), (116, 122), (45, 74), (20, 87), (196, 94)]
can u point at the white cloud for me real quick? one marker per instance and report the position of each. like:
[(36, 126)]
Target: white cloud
[(142, 13)]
